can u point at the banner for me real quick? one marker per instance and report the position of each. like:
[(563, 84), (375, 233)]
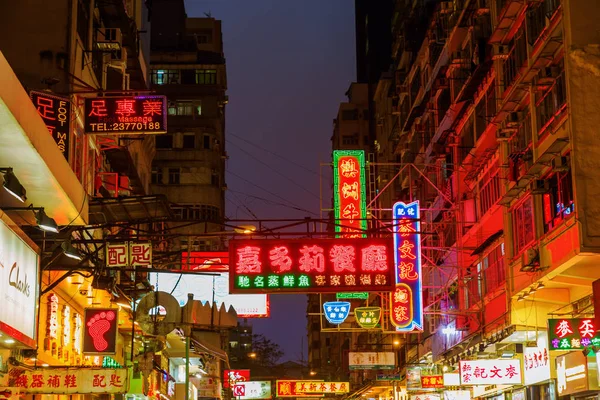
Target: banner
[(68, 380), (372, 360), (490, 372)]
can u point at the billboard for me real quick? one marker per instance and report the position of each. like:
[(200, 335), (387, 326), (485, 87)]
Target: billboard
[(252, 390), (201, 286), (572, 333), (372, 360), (349, 192), (100, 331), (310, 265), (490, 372), (233, 376), (69, 380), (126, 115), (56, 114), (406, 299)]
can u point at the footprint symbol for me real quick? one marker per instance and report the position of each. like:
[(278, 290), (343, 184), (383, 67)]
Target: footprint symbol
[(98, 326)]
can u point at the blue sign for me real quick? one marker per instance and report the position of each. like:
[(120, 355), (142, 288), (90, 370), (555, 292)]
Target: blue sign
[(336, 312)]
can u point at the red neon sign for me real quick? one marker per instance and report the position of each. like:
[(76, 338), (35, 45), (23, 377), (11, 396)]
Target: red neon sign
[(213, 261), (349, 192), (136, 114), (233, 376), (100, 331), (311, 265)]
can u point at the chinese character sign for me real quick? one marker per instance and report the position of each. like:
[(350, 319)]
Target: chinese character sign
[(129, 254), (572, 333), (69, 381), (136, 114), (56, 114), (490, 372), (287, 388), (536, 365), (432, 381), (426, 396), (52, 331), (367, 317), (349, 200), (252, 390), (140, 254), (314, 387), (310, 265), (117, 255), (233, 376), (371, 360), (406, 299), (336, 312), (100, 331)]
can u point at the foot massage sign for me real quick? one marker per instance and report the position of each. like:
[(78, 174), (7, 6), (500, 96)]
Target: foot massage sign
[(100, 331)]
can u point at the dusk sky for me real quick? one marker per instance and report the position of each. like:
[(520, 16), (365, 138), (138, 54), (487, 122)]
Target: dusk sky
[(289, 64)]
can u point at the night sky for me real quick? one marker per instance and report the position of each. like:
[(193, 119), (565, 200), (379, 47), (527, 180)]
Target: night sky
[(289, 64)]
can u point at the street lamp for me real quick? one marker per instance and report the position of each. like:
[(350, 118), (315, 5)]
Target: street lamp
[(246, 229), (252, 355), (12, 185), (396, 342), (313, 373)]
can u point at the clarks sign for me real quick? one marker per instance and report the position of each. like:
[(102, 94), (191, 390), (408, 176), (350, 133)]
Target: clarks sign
[(18, 294)]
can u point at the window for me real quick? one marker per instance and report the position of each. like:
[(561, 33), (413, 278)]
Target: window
[(206, 76), (523, 226), (473, 285), (165, 76), (550, 102), (174, 175), (189, 141), (516, 59), (164, 141), (493, 269), (206, 142), (559, 203), (157, 175), (349, 115), (197, 212), (214, 178), (349, 140), (489, 190)]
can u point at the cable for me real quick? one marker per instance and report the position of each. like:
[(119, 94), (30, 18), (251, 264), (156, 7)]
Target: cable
[(273, 202), (271, 193), (274, 170)]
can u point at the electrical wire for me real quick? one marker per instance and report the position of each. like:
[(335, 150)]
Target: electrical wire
[(276, 203)]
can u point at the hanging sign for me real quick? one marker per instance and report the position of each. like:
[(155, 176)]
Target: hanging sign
[(490, 372), (349, 188), (432, 381), (52, 331), (310, 265), (120, 115), (100, 331), (572, 333), (129, 254), (69, 380), (406, 299), (426, 396), (352, 296), (336, 312), (233, 376), (213, 261), (312, 387), (252, 390), (367, 317), (536, 365), (56, 114), (371, 360)]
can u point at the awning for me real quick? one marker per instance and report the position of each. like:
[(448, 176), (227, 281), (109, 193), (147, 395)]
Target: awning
[(28, 148), (133, 209), (487, 242), (206, 347)]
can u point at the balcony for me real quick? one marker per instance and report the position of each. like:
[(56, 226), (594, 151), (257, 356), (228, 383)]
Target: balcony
[(507, 11)]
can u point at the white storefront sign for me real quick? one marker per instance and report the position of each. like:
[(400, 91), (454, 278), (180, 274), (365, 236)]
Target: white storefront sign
[(372, 360), (457, 395), (490, 372), (18, 284), (427, 396), (536, 365)]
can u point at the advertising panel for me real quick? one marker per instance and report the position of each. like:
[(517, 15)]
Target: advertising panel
[(372, 360), (349, 192), (536, 365), (432, 381), (312, 387), (208, 261), (287, 388), (572, 333), (56, 114), (406, 299), (252, 390), (457, 395), (100, 331), (571, 373), (490, 372), (426, 396), (126, 115), (233, 376), (310, 265), (201, 286), (69, 380), (19, 288)]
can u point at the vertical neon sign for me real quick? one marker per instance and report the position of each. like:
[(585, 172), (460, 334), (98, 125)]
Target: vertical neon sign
[(406, 312), (349, 199)]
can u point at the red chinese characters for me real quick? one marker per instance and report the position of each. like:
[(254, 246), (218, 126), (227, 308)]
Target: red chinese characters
[(350, 203), (280, 260), (98, 109), (312, 259), (140, 254), (125, 107), (117, 255), (563, 328), (494, 371), (248, 261)]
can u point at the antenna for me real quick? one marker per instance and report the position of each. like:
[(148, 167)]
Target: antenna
[(208, 14)]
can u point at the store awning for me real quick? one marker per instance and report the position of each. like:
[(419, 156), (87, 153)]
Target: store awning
[(111, 210), (28, 148)]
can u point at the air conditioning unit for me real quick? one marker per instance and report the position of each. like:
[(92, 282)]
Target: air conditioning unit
[(504, 134), (109, 39), (500, 52), (561, 164), (531, 257), (119, 57), (540, 186)]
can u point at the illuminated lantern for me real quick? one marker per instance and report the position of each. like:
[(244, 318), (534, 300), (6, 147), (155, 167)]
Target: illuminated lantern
[(367, 317), (336, 312)]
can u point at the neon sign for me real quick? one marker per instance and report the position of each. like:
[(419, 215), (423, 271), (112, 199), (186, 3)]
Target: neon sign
[(233, 376), (56, 114), (135, 114), (367, 317), (572, 333), (349, 199), (205, 261), (310, 265), (336, 312), (406, 299), (100, 331)]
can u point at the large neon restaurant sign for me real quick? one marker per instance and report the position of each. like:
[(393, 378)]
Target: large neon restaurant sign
[(349, 199), (406, 311)]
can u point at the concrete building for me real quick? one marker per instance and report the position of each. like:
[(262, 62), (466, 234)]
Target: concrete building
[(188, 66)]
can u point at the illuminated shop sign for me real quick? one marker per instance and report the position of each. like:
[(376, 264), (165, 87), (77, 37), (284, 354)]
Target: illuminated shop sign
[(572, 333), (119, 115), (66, 324), (406, 299), (68, 380), (336, 312), (310, 265), (252, 390), (233, 376), (490, 372), (205, 261), (349, 199), (287, 388), (100, 331), (572, 373), (77, 333), (352, 295), (312, 387), (432, 381), (52, 331), (371, 360), (129, 254), (56, 114), (367, 317), (536, 365), (426, 396)]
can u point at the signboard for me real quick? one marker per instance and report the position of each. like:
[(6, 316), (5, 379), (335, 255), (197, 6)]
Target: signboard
[(349, 194), (208, 261), (69, 381), (252, 390), (426, 396), (457, 395), (571, 373), (233, 376), (312, 387), (490, 372), (56, 114), (129, 254), (201, 286), (388, 377), (310, 265), (432, 382), (413, 377), (406, 299), (122, 115), (451, 379), (572, 333), (372, 360), (336, 312), (100, 331), (367, 317), (352, 295), (287, 388), (536, 365), (19, 287)]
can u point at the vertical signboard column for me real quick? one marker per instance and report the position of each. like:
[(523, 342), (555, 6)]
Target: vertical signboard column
[(349, 199), (406, 310)]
